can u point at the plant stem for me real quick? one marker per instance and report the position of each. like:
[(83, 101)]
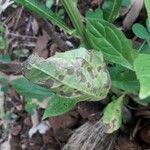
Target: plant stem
[(74, 14), (142, 46)]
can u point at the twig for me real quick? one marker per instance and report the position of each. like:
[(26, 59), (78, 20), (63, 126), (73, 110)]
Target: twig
[(18, 18), (132, 136), (21, 36)]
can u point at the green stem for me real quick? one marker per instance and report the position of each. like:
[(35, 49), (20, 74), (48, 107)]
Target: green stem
[(75, 17), (142, 46)]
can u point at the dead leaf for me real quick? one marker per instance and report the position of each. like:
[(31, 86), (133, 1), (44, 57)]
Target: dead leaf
[(41, 43)]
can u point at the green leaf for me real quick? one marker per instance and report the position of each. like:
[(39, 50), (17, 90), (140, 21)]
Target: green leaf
[(78, 74), (30, 90), (3, 43), (148, 25), (111, 9), (40, 9), (30, 107), (124, 79), (112, 117), (49, 3), (114, 45), (58, 106), (142, 68), (148, 40), (76, 19), (4, 85), (140, 31), (98, 13), (126, 3), (147, 5), (145, 49), (5, 58), (146, 100)]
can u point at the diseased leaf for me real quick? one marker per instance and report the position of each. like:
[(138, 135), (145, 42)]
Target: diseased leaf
[(140, 31), (78, 74), (58, 106), (124, 79), (111, 9), (30, 90), (142, 68), (112, 42), (112, 117)]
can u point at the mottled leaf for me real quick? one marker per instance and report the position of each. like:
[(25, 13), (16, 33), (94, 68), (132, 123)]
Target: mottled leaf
[(111, 9), (112, 42), (112, 117), (142, 68), (78, 74)]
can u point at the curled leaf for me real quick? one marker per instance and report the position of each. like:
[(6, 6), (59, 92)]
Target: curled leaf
[(78, 74)]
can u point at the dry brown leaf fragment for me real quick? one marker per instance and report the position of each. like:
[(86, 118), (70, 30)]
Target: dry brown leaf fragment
[(41, 43)]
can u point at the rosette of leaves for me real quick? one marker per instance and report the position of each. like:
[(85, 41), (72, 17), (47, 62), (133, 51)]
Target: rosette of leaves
[(79, 74)]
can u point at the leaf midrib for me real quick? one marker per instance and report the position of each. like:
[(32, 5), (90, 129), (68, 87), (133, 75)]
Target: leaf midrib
[(118, 52)]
